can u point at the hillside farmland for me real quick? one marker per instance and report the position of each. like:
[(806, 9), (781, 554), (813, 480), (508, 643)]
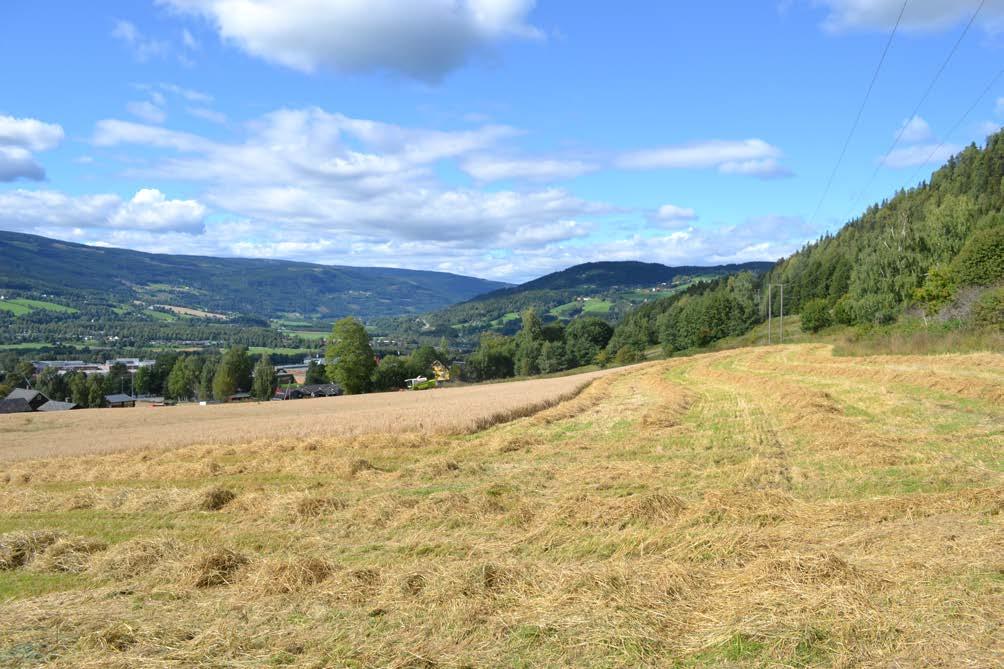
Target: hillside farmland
[(771, 506)]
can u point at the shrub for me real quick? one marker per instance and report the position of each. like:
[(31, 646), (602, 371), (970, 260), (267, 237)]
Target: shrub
[(989, 309), (815, 315), (938, 288), (981, 260), (843, 311), (626, 355)]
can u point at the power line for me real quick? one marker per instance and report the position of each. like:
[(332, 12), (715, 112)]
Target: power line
[(861, 109), (923, 99), (962, 119)]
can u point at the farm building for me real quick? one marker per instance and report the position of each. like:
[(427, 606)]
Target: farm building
[(120, 401), (53, 405), (34, 398), (21, 400), (16, 405)]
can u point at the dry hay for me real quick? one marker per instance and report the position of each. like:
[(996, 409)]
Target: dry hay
[(68, 554), (137, 557), (215, 499), (278, 576), (312, 506), (676, 514), (214, 567), (18, 549)]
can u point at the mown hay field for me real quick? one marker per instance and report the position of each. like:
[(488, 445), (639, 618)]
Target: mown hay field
[(772, 506), (448, 409)]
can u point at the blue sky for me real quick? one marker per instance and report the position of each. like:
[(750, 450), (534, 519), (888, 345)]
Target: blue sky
[(499, 138)]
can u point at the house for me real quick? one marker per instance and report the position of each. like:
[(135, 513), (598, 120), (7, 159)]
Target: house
[(322, 390), (53, 405), (441, 371), (120, 401), (293, 374), (16, 405), (34, 398)]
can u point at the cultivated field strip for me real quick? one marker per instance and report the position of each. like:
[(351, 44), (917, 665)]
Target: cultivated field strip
[(750, 508), (87, 431)]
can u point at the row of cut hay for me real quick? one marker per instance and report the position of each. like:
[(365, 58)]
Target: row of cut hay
[(972, 376), (46, 551), (509, 415), (808, 411)]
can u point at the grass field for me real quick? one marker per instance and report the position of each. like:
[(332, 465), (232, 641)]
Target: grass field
[(760, 507), (22, 306)]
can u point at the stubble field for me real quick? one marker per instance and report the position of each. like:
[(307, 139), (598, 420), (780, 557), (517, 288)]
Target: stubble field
[(760, 507)]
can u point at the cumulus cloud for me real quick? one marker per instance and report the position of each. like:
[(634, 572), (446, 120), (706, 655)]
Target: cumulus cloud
[(920, 154), (147, 111), (672, 216), (149, 210), (18, 163), (342, 173), (914, 130), (29, 133), (753, 157), (492, 168), (19, 138), (923, 15), (426, 41)]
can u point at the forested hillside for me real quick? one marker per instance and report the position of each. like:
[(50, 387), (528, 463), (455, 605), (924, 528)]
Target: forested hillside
[(35, 265), (937, 249), (600, 289)]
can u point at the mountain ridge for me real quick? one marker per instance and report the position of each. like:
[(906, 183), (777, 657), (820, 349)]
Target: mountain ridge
[(259, 286)]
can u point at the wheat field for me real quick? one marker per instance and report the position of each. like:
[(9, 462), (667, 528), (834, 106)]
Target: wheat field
[(448, 409), (763, 507)]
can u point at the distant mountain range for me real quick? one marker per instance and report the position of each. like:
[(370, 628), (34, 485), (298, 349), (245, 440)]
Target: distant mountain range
[(603, 289), (264, 288)]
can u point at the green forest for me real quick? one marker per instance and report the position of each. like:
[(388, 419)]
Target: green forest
[(935, 252)]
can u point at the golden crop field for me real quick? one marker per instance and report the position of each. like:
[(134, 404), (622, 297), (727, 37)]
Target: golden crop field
[(448, 409), (772, 506)]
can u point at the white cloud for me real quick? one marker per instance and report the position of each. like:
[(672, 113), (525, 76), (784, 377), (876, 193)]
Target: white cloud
[(341, 175), (751, 156), (19, 137), (425, 41), (208, 114), (149, 210), (29, 133), (672, 216), (766, 168), (923, 15), (143, 48), (187, 93), (492, 168), (914, 130), (147, 111), (1000, 106), (31, 209), (18, 163), (920, 154), (989, 127)]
